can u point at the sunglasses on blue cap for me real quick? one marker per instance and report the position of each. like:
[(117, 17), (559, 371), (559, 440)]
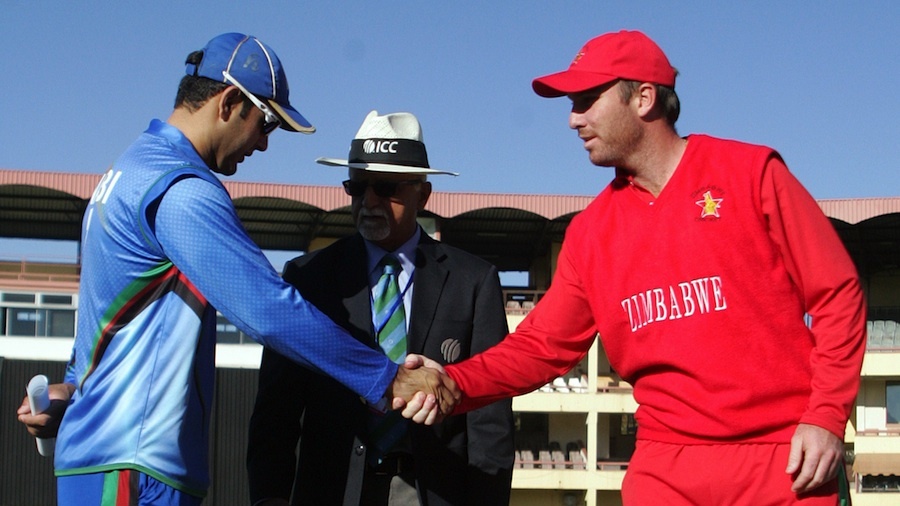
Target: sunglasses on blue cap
[(272, 122)]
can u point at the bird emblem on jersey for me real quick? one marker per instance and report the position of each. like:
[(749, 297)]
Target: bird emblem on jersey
[(709, 205)]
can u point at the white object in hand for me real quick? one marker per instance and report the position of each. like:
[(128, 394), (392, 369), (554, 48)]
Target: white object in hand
[(38, 390)]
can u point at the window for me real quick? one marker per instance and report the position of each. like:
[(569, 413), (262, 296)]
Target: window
[(514, 279), (30, 322), (892, 401), (227, 333), (23, 322), (60, 323), (27, 298), (65, 300), (869, 483), (37, 315)]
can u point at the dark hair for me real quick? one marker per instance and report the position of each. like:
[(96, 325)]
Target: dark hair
[(193, 90), (667, 102)]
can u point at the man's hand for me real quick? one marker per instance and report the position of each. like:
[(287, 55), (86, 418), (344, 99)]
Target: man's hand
[(46, 424), (815, 456), (423, 391)]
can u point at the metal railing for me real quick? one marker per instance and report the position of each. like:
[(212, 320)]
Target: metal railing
[(46, 272)]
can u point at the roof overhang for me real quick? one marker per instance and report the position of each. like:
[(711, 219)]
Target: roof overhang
[(877, 464)]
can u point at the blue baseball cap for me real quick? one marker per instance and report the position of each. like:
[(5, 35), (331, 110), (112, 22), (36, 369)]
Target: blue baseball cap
[(255, 67)]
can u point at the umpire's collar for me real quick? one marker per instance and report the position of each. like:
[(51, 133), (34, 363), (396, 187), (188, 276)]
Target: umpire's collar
[(406, 253)]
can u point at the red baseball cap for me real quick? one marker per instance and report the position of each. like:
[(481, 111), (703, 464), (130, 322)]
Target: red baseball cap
[(626, 54)]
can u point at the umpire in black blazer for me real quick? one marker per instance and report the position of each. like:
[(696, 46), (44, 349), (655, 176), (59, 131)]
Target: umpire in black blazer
[(455, 310)]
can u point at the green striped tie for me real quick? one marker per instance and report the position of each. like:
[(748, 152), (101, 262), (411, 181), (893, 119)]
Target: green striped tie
[(390, 330), (390, 316)]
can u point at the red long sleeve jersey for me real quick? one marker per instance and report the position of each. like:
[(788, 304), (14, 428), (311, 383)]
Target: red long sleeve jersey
[(699, 297)]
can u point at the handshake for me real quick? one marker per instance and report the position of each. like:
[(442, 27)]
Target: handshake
[(423, 391)]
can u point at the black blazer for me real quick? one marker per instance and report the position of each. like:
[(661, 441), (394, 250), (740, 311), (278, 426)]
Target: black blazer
[(466, 460)]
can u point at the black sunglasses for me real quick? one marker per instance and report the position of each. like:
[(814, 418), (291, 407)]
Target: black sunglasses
[(384, 189), (271, 122)]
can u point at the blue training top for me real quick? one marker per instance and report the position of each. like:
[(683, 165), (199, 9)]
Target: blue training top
[(162, 249)]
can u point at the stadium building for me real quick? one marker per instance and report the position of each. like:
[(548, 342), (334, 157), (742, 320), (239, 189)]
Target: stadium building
[(574, 436)]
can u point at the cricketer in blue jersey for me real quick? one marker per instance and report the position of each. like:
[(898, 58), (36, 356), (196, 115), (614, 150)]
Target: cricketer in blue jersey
[(162, 250)]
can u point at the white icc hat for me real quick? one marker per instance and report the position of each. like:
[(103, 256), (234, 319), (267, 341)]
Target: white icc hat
[(389, 143)]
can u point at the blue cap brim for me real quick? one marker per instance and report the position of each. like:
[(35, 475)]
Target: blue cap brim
[(291, 119)]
